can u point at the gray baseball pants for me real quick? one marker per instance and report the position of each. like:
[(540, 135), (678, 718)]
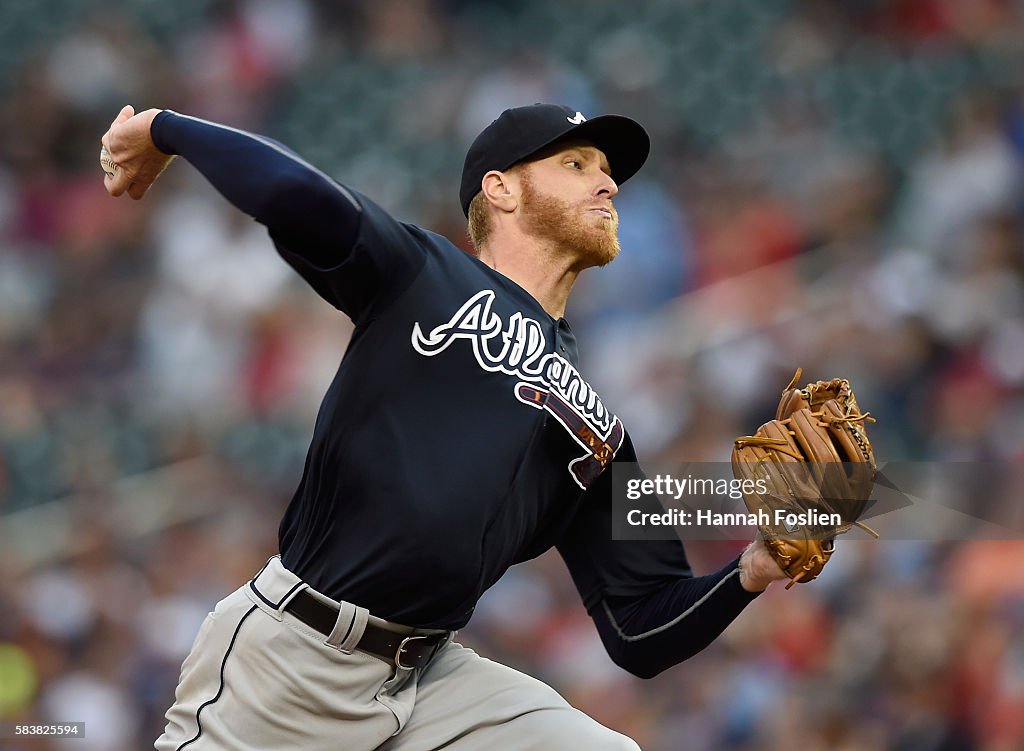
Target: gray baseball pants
[(258, 678)]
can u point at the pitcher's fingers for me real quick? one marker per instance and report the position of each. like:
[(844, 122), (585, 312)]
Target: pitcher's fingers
[(117, 183), (126, 113), (138, 190)]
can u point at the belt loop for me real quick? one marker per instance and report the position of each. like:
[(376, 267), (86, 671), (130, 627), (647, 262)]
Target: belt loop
[(349, 627), (290, 596)]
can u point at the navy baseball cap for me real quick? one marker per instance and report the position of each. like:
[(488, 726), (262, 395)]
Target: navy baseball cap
[(523, 131)]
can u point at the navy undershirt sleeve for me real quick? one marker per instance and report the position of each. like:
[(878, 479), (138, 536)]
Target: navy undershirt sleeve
[(646, 634), (344, 245), (265, 180), (649, 608)]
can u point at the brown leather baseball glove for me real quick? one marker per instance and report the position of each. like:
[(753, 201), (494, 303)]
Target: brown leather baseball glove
[(811, 470)]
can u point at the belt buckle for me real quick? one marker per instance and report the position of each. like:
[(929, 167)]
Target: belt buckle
[(401, 649)]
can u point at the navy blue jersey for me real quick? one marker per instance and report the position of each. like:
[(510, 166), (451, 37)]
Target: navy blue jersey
[(458, 436)]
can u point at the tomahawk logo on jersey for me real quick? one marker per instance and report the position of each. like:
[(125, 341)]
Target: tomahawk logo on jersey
[(547, 380)]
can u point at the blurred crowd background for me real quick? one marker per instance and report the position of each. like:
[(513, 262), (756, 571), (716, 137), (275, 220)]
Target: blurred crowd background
[(835, 185)]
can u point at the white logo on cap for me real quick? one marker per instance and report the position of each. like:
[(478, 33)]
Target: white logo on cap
[(578, 119)]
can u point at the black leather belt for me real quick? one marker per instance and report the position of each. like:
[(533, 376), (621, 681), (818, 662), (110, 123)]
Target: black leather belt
[(404, 650)]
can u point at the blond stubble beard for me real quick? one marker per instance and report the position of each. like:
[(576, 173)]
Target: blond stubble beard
[(549, 217)]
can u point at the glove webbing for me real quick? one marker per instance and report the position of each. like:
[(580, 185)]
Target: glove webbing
[(782, 446)]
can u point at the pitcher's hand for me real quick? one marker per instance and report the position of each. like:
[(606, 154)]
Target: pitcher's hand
[(137, 161)]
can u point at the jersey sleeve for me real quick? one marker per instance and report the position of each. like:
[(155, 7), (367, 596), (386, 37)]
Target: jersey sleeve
[(352, 252), (383, 259), (649, 608)]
